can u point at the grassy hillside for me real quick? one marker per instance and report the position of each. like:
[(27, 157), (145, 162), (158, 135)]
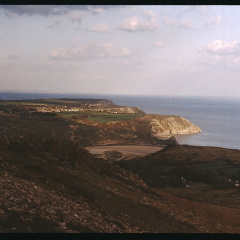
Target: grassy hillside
[(205, 174)]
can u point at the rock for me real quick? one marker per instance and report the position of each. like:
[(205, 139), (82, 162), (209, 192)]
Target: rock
[(1, 212), (172, 125), (28, 200), (37, 201), (172, 141), (11, 199), (17, 200)]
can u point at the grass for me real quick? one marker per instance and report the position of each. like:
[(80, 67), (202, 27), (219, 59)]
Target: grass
[(111, 117), (228, 169), (99, 117), (70, 114)]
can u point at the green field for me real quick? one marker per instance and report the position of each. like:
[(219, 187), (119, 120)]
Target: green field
[(100, 117), (70, 114), (111, 117)]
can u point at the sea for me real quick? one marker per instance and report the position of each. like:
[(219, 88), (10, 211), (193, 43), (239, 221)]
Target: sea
[(218, 118)]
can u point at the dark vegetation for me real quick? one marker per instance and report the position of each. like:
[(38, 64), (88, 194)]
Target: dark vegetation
[(66, 171), (206, 174), (195, 164), (50, 183)]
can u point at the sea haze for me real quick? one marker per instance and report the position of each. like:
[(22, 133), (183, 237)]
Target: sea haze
[(218, 118)]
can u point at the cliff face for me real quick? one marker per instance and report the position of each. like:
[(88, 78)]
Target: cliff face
[(172, 125)]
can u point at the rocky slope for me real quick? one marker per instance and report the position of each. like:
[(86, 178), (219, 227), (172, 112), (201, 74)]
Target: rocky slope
[(51, 185), (54, 186)]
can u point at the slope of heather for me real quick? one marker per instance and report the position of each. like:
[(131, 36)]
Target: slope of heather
[(54, 186)]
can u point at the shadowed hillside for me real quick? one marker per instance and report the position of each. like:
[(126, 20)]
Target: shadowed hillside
[(54, 186), (204, 174)]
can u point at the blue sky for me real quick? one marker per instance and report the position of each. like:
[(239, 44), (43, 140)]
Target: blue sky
[(147, 50)]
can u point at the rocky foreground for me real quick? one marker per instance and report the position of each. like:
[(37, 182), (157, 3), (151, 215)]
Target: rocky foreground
[(51, 185)]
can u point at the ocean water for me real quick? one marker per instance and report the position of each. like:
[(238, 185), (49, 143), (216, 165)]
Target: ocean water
[(218, 118)]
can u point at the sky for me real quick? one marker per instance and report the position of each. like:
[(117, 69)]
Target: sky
[(133, 50)]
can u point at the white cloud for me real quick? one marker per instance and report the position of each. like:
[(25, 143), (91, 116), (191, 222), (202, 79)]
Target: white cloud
[(223, 47), (186, 23), (100, 28), (159, 44), (89, 51), (216, 20), (224, 55), (170, 22), (135, 24), (97, 10)]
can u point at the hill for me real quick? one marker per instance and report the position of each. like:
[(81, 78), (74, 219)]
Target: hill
[(89, 122), (55, 186)]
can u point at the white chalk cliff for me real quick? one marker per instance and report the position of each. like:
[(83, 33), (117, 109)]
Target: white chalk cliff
[(172, 125)]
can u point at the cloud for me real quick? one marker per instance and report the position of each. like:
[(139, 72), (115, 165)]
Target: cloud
[(186, 23), (97, 10), (223, 47), (159, 44), (216, 20), (34, 9), (46, 10), (100, 28), (75, 16), (170, 22), (56, 21), (200, 8), (134, 24), (89, 51), (223, 55)]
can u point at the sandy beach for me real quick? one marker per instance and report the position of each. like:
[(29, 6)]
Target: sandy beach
[(127, 149)]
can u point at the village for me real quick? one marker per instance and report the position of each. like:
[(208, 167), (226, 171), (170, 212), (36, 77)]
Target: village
[(46, 106)]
